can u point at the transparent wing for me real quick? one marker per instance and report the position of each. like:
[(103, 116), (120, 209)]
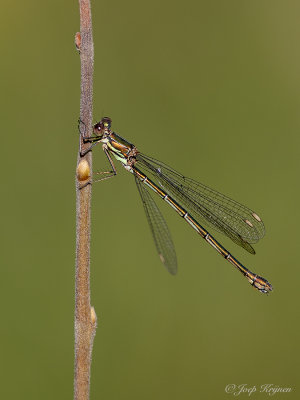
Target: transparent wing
[(242, 225), (160, 231)]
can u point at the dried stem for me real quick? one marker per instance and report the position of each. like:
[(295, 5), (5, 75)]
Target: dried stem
[(85, 316)]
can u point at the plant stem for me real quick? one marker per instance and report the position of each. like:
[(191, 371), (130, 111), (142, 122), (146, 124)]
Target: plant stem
[(85, 316)]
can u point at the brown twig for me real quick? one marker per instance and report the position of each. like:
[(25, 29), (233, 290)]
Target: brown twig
[(85, 316)]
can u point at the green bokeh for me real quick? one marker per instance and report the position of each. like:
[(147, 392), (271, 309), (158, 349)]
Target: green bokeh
[(212, 88)]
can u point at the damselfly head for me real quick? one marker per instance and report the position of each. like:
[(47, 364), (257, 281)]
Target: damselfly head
[(103, 126)]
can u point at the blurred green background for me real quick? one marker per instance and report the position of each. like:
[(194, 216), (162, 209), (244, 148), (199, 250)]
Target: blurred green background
[(211, 88)]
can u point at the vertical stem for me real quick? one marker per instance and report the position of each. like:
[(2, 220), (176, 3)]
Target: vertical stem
[(85, 316)]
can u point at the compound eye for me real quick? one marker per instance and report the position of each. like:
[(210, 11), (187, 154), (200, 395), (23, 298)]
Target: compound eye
[(98, 127)]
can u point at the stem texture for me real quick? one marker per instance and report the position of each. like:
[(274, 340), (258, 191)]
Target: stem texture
[(85, 316)]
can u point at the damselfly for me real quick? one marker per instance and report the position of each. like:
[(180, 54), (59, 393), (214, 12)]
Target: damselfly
[(192, 200)]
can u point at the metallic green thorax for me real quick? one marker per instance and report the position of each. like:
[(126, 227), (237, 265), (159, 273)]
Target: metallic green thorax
[(118, 146)]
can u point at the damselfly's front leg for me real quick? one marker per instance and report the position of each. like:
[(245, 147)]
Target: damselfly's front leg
[(86, 139)]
